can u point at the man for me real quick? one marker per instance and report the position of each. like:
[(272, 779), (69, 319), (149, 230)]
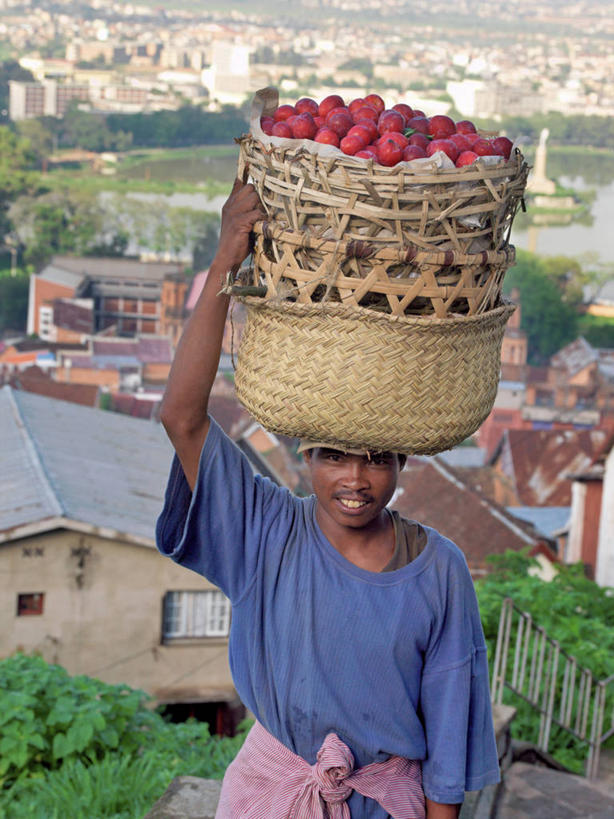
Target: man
[(355, 639)]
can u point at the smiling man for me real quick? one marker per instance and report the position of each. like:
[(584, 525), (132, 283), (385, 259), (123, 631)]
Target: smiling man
[(355, 640)]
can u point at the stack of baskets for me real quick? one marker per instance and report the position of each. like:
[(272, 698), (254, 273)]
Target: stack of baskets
[(381, 319)]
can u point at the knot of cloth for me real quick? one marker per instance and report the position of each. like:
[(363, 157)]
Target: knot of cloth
[(335, 762)]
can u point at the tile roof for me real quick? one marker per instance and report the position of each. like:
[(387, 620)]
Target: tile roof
[(434, 494), (539, 461), (37, 382), (575, 356), (92, 467)]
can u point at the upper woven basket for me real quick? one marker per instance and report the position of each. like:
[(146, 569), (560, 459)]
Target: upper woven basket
[(418, 238)]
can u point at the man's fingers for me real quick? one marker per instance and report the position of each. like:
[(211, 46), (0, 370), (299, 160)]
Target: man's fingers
[(245, 173), (238, 183)]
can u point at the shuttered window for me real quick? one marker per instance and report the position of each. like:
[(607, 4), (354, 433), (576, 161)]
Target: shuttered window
[(196, 614)]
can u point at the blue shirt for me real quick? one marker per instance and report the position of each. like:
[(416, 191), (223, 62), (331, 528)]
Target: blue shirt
[(394, 662)]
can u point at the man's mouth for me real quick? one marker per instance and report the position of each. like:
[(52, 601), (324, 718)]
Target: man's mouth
[(352, 504)]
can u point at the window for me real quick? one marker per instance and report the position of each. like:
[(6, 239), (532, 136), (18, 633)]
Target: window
[(30, 604), (195, 614)]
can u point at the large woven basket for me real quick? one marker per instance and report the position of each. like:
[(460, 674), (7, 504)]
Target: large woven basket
[(416, 238), (358, 378)]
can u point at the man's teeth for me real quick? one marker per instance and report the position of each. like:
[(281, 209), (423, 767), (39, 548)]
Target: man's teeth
[(352, 504)]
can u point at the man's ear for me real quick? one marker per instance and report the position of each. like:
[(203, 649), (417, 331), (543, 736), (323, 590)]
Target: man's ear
[(307, 455)]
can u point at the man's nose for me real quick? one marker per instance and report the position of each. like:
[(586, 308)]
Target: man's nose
[(355, 474)]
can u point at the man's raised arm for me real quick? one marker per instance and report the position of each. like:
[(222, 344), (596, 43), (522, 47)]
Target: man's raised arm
[(184, 406)]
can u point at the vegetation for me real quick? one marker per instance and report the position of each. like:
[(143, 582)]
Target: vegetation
[(550, 294), (78, 747), (589, 131), (573, 610)]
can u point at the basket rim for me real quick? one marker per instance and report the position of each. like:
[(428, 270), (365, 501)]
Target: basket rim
[(512, 167), (338, 310)]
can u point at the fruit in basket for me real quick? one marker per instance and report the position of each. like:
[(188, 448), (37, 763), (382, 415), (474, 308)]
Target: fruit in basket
[(466, 158), (307, 106), (441, 126), (327, 137), (340, 123), (483, 147), (282, 129), (417, 123), (419, 139), (404, 109), (444, 145), (376, 101), (328, 103), (350, 145), (365, 128), (390, 121), (413, 152), (503, 146), (465, 126), (389, 153), (283, 112), (365, 112)]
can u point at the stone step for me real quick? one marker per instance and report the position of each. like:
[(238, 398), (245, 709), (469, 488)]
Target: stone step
[(535, 792)]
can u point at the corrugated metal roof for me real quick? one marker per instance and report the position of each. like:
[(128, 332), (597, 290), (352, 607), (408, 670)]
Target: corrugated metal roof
[(547, 520), (91, 466), (60, 275)]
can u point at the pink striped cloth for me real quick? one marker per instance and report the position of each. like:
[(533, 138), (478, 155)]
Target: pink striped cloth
[(268, 781)]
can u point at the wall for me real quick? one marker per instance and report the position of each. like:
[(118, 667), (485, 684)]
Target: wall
[(103, 614), (604, 572)]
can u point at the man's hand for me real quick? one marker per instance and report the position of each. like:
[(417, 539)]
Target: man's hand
[(241, 211)]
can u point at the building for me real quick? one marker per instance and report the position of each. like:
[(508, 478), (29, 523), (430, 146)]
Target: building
[(47, 98), (74, 296), (537, 462), (82, 582), (591, 527), (437, 495)]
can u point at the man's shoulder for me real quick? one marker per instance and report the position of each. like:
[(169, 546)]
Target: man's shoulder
[(445, 550)]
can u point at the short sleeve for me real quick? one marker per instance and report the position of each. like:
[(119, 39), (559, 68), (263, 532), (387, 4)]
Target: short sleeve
[(455, 699), (219, 529)]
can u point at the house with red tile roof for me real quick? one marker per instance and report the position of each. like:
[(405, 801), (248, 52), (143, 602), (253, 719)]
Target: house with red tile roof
[(436, 495), (537, 462)]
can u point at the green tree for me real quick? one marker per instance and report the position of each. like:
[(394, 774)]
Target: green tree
[(549, 320), (14, 302), (39, 137), (67, 221), (16, 163)]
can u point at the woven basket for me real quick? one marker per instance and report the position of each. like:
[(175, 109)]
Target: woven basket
[(431, 237), (362, 379), (300, 267)]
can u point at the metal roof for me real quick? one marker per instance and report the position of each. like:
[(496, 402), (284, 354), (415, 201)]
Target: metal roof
[(547, 520), (88, 466)]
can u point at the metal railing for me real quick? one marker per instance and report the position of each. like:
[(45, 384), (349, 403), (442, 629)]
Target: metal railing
[(534, 667)]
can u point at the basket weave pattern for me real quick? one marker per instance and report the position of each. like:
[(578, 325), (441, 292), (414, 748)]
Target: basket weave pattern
[(409, 384), (405, 221), (386, 278)]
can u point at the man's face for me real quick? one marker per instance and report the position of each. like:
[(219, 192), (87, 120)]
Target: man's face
[(352, 490)]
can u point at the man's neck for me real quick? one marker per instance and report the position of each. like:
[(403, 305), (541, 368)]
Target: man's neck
[(369, 547)]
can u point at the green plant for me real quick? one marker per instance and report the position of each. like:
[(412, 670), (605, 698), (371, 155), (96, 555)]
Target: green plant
[(47, 717), (78, 747)]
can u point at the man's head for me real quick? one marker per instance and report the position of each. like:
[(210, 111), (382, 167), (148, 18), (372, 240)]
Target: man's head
[(352, 487)]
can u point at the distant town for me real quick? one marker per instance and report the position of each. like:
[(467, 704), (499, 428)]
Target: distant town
[(484, 60)]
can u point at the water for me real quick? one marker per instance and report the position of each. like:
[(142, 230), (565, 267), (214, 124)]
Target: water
[(576, 239), (593, 234)]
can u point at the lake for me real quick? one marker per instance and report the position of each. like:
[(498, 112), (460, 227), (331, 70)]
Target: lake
[(580, 170)]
